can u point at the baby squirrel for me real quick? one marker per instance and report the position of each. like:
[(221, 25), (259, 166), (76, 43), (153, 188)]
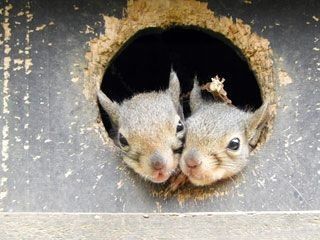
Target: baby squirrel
[(150, 130), (218, 139)]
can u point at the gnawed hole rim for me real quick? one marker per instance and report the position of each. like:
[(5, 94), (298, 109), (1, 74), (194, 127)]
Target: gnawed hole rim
[(143, 14)]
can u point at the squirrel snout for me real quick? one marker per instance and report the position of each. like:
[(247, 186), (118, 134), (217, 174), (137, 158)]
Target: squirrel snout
[(157, 162), (192, 160)]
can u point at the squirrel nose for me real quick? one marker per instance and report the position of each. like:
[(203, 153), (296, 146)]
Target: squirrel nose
[(193, 162), (192, 159), (157, 162)]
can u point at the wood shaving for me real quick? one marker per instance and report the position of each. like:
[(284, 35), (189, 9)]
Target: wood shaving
[(284, 78), (216, 88), (41, 27)]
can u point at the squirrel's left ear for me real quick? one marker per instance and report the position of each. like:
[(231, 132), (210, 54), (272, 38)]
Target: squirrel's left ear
[(256, 123), (174, 88)]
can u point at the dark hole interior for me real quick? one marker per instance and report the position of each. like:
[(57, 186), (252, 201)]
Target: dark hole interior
[(144, 63)]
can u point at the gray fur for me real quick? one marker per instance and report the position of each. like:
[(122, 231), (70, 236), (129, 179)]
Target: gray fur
[(148, 121), (112, 108), (255, 124), (146, 112), (174, 88), (211, 127), (195, 96), (216, 119)]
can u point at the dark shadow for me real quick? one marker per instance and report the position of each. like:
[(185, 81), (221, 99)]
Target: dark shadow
[(144, 62)]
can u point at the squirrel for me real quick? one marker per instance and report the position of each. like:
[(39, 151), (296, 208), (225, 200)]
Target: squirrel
[(150, 130), (218, 139)]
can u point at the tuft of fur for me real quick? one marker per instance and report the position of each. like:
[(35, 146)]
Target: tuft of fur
[(211, 127), (148, 122)]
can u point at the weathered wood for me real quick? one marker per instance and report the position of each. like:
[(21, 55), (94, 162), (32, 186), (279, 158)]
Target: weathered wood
[(267, 225)]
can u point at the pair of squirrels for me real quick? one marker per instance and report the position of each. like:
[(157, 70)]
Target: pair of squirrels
[(211, 145)]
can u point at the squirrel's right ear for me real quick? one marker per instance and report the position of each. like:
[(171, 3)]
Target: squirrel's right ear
[(112, 108), (195, 96), (174, 88), (256, 123)]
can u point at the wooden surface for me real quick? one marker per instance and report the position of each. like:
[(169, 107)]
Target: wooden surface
[(53, 160), (267, 225)]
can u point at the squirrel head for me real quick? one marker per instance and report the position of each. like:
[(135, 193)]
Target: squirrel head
[(150, 130), (218, 139)]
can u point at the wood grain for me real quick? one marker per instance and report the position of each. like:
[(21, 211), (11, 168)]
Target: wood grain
[(267, 225)]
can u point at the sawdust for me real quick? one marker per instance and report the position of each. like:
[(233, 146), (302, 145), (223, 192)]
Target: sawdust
[(5, 104), (89, 29), (144, 14), (75, 79), (7, 50), (7, 31), (284, 78), (27, 65), (41, 27), (18, 61)]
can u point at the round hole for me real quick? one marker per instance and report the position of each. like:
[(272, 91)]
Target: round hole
[(136, 52)]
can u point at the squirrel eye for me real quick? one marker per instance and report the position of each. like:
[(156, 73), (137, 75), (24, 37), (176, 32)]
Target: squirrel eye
[(123, 141), (180, 126), (234, 144)]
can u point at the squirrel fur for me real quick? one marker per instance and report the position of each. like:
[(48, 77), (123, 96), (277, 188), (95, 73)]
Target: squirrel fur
[(218, 139), (150, 130)]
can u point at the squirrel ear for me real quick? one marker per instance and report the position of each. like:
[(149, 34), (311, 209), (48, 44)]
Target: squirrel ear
[(195, 96), (174, 88), (112, 108), (256, 123)]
